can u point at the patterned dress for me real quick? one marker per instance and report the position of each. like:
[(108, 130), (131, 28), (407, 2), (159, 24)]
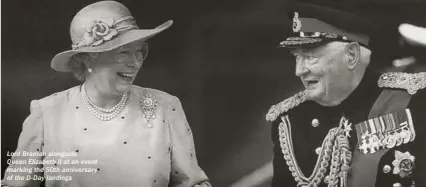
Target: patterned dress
[(63, 144)]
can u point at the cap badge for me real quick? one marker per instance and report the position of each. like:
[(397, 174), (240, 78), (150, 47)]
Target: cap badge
[(297, 24)]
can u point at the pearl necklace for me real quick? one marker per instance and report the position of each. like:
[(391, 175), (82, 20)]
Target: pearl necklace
[(101, 113)]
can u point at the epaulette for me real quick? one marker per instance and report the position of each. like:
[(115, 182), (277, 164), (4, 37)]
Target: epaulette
[(412, 82), (285, 105)]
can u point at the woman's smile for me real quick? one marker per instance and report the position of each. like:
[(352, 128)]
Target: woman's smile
[(127, 76)]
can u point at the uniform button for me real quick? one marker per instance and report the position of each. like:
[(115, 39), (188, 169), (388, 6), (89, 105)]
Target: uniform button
[(397, 184), (386, 169), (150, 125), (315, 123), (318, 150)]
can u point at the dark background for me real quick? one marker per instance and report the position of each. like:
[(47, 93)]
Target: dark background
[(220, 58)]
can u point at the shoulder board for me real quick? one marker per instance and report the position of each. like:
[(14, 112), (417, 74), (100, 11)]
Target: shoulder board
[(412, 82), (286, 105)]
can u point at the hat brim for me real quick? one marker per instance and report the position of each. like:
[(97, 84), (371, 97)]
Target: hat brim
[(60, 61), (296, 42)]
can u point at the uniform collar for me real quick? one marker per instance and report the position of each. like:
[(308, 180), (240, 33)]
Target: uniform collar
[(366, 92)]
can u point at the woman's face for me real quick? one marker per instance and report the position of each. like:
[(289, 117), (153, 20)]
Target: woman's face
[(114, 71)]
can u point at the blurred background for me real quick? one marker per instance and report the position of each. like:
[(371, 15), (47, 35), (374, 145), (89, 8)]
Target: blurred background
[(220, 58)]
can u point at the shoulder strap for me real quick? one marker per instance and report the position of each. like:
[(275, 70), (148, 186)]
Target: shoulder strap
[(286, 105), (364, 167)]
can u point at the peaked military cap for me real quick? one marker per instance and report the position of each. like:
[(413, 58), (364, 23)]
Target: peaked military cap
[(317, 25)]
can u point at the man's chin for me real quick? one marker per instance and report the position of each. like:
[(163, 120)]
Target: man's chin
[(313, 95)]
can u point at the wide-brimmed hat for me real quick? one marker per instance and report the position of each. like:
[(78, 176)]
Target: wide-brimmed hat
[(103, 26)]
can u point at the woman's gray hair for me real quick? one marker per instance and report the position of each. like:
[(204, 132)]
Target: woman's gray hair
[(78, 68)]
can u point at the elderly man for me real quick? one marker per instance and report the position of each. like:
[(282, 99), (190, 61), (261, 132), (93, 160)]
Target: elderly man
[(350, 126)]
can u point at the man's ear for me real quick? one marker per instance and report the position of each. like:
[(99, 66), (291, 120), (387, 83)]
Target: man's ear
[(353, 52)]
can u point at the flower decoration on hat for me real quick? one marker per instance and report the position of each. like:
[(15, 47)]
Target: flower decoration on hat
[(403, 164), (103, 30)]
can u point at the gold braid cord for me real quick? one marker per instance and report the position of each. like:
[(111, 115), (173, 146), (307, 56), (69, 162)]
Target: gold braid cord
[(334, 149), (412, 82), (276, 110)]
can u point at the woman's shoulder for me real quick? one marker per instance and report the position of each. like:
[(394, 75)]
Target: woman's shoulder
[(59, 97), (160, 95)]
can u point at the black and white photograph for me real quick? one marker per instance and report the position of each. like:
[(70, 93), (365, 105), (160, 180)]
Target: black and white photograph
[(213, 93)]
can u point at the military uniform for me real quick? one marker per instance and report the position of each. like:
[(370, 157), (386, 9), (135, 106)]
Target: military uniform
[(373, 138)]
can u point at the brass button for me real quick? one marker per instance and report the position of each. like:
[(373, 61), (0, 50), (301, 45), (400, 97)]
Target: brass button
[(315, 122), (386, 169), (397, 184)]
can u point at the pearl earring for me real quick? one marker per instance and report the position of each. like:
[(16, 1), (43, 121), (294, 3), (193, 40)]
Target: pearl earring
[(90, 70)]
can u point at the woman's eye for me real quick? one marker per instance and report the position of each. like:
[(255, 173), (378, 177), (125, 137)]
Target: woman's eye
[(139, 54)]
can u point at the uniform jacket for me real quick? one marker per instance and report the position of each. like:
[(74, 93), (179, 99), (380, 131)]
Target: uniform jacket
[(129, 150), (374, 98)]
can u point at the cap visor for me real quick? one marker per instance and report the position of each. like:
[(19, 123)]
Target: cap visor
[(295, 42)]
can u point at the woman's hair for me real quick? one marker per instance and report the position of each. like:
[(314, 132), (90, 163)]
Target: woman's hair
[(78, 68)]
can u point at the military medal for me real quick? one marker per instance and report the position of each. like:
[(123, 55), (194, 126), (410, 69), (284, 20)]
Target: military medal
[(373, 143), (387, 131), (347, 128), (398, 139), (391, 142), (406, 136)]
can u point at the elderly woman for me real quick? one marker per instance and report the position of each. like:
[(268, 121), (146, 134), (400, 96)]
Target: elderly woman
[(106, 132)]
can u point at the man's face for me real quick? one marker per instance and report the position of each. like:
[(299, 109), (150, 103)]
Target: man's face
[(324, 72)]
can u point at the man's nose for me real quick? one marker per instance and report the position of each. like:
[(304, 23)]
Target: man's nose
[(301, 68)]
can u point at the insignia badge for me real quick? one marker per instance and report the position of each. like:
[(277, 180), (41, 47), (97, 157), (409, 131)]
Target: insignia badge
[(148, 105), (387, 131), (412, 82), (297, 24), (347, 128), (403, 164)]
